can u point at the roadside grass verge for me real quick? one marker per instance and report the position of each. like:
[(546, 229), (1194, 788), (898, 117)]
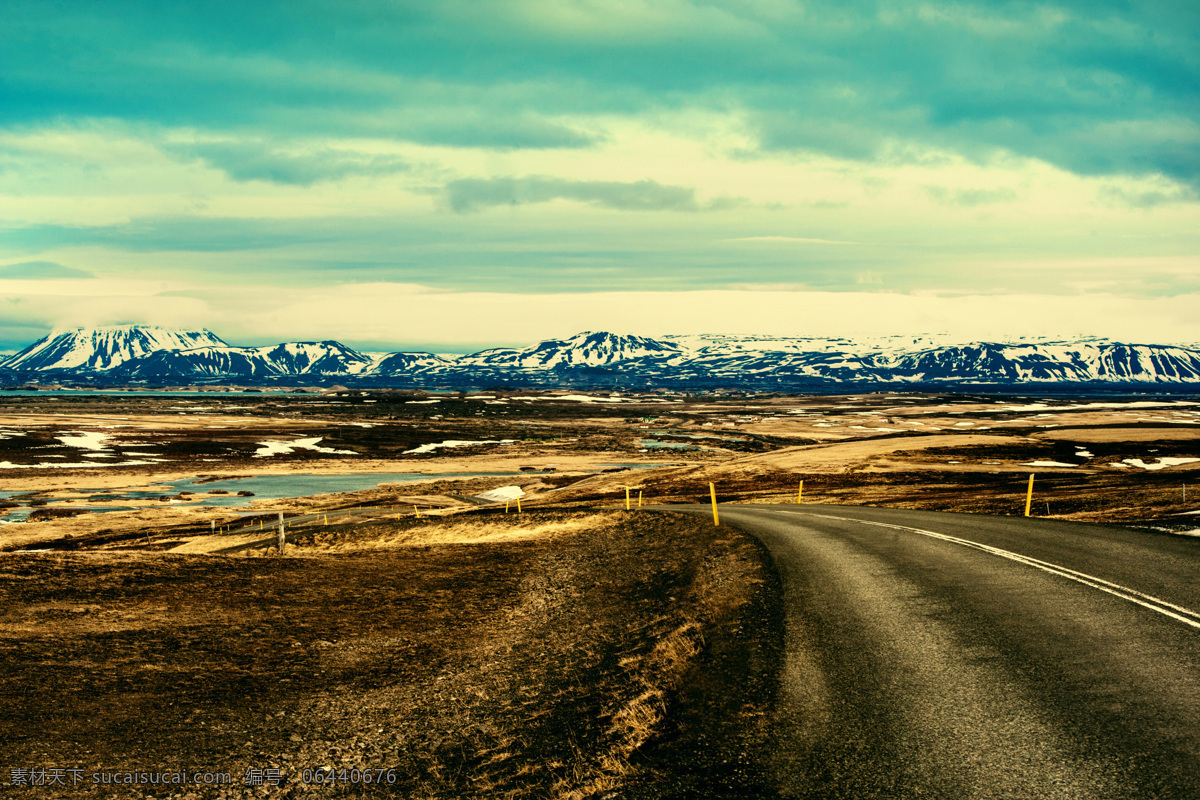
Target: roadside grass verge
[(534, 656)]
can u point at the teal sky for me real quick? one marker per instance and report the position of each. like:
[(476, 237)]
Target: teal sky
[(458, 174)]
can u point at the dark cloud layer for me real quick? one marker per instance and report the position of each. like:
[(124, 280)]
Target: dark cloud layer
[(256, 161), (1096, 87), (41, 270), (477, 194)]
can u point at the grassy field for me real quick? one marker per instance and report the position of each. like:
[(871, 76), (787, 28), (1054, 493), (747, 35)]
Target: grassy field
[(547, 655)]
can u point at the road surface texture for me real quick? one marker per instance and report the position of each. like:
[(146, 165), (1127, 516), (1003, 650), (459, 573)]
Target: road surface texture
[(940, 655)]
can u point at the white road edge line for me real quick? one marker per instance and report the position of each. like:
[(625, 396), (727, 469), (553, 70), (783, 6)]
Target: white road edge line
[(1184, 615)]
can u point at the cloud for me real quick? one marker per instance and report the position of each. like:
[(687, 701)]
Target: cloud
[(251, 160), (1147, 198), (41, 270), (355, 313), (786, 240), (476, 194), (1099, 87), (970, 197), (165, 234)]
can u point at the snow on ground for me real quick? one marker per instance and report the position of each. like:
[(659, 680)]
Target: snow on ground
[(86, 440), (267, 449), (1084, 453), (1160, 463), (579, 398), (421, 402), (429, 448), (1078, 406), (1047, 464), (56, 465), (502, 494)]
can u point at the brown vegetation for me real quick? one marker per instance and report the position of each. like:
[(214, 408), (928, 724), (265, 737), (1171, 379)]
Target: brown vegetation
[(532, 656)]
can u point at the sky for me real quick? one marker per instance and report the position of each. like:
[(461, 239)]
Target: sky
[(461, 174)]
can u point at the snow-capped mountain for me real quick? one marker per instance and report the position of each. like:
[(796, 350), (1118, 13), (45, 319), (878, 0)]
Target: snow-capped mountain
[(1088, 361), (104, 348), (398, 364), (292, 358), (585, 349), (136, 354)]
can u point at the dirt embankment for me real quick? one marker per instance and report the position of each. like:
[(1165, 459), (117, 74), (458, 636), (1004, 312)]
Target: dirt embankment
[(558, 654)]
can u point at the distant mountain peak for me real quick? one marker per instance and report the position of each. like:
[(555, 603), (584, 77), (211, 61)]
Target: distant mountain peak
[(105, 347), (150, 354), (585, 349)]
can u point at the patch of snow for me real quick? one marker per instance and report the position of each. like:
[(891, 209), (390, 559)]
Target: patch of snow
[(1079, 406), (583, 398), (10, 465), (429, 448), (1118, 466), (1161, 463), (88, 440), (267, 449), (421, 402), (1084, 453), (502, 494), (1047, 464)]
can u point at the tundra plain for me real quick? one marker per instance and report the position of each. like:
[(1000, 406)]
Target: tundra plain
[(460, 647)]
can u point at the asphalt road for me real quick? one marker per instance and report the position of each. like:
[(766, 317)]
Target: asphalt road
[(937, 655)]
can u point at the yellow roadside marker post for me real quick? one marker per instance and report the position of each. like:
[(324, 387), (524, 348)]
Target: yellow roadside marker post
[(506, 502), (518, 504), (417, 511), (626, 498), (639, 498), (1029, 495), (712, 490), (800, 494)]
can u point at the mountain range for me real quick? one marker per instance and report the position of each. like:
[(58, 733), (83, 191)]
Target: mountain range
[(144, 355)]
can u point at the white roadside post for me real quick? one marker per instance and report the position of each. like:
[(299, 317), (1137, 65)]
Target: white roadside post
[(282, 542)]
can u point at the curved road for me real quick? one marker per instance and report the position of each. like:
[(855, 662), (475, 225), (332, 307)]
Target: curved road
[(938, 655)]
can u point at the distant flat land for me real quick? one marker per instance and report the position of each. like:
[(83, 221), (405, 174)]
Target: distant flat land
[(564, 651), (1096, 459)]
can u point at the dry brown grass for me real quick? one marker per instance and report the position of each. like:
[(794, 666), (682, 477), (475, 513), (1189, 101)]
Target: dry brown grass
[(520, 657)]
